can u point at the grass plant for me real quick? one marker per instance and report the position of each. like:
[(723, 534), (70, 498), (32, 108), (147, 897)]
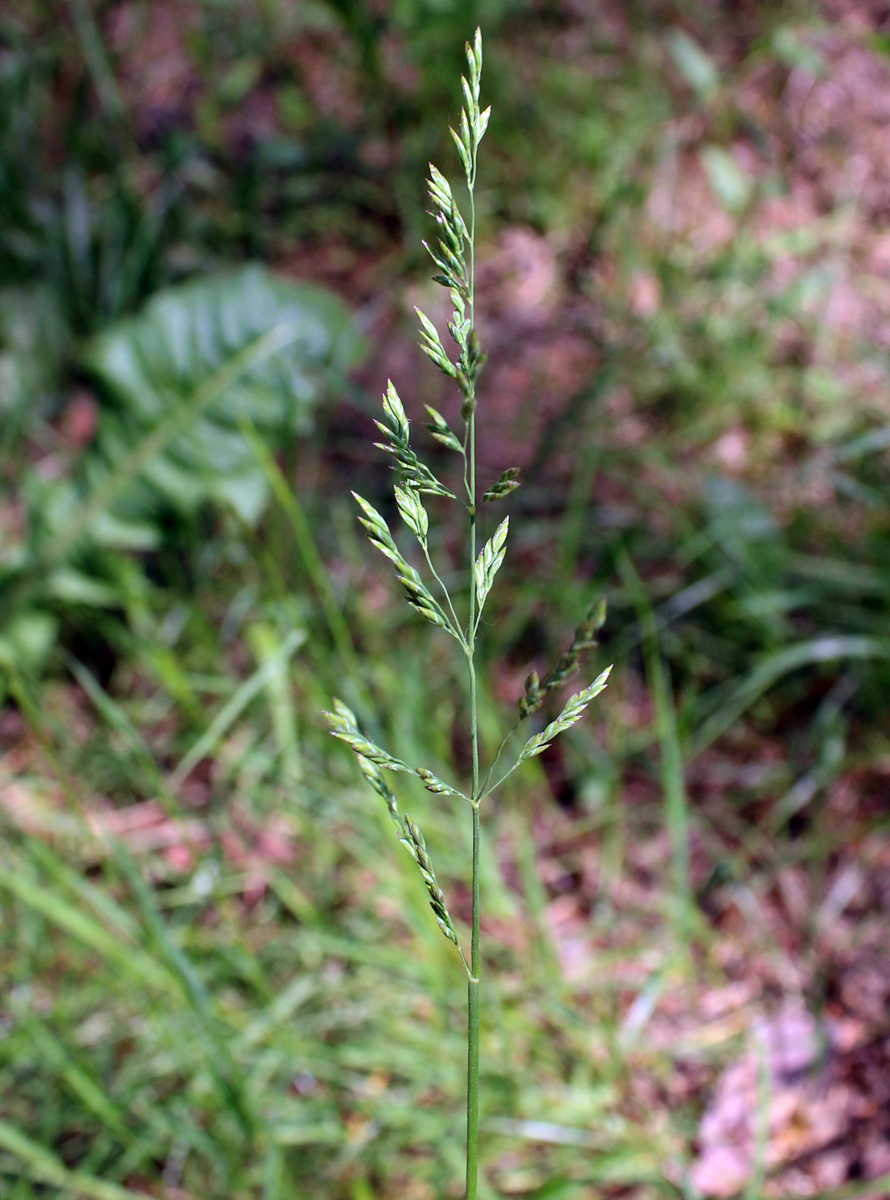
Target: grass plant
[(752, 665), (454, 258)]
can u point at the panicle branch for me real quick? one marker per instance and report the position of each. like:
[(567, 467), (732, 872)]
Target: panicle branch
[(572, 712), (416, 846), (584, 640)]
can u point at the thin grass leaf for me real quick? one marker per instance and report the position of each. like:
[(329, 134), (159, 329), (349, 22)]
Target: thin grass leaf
[(81, 1082), (265, 643), (85, 893), (116, 719), (833, 647), (227, 1073), (273, 1173), (673, 782), (308, 552), (42, 1166), (489, 561), (229, 714), (572, 713), (127, 959)]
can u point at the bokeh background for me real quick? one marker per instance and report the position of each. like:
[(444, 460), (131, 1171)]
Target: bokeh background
[(220, 978)]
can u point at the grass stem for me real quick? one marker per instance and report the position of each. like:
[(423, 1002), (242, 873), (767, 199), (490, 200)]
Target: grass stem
[(473, 985), (473, 1030)]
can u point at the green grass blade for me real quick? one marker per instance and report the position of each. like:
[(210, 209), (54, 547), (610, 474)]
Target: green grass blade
[(676, 808), (825, 649), (266, 646), (116, 719), (42, 1166), (81, 1082), (223, 1066), (308, 551), (132, 464), (127, 959), (231, 711)]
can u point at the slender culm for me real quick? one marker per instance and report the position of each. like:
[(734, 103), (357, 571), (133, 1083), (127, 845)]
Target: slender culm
[(454, 255)]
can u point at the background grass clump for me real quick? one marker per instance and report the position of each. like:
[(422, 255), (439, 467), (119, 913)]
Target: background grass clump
[(219, 980)]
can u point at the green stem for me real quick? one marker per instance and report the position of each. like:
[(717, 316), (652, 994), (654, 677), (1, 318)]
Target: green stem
[(424, 545), (494, 786), (473, 1029), (473, 985), (494, 762)]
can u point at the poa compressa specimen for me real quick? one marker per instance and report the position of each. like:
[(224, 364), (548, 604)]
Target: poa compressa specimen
[(454, 257)]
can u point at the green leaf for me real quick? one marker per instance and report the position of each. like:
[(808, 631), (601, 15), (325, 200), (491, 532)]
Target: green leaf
[(235, 706), (42, 1166), (572, 712), (489, 561), (792, 48), (75, 587), (200, 358), (128, 960)]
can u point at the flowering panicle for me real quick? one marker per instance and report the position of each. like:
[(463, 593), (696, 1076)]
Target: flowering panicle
[(453, 255)]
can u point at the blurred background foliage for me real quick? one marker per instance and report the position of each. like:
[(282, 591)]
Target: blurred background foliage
[(220, 976)]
